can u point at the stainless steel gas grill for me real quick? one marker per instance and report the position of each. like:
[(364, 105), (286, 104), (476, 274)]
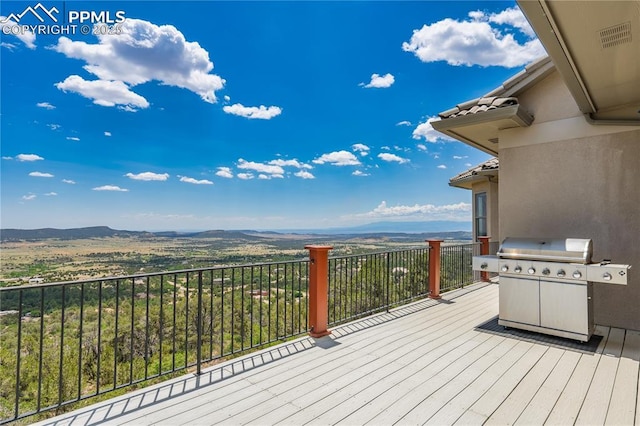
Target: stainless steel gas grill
[(546, 285)]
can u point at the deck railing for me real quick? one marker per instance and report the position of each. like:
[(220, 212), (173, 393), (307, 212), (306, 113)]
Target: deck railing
[(65, 342), (361, 285)]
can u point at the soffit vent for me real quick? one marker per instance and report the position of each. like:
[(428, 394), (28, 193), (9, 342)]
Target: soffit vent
[(616, 35)]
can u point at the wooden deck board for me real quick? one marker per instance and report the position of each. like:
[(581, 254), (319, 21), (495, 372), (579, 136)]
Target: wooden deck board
[(523, 393), (360, 371), (570, 401), (547, 395), (594, 408), (458, 405), (425, 362), (502, 388), (622, 407)]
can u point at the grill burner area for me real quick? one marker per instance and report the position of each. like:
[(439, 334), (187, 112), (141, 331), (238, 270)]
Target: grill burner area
[(546, 285)]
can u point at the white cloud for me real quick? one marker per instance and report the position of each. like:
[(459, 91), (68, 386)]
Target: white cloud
[(291, 163), (51, 194), (144, 52), (460, 157), (392, 158), (442, 166), (468, 164), (28, 157), (45, 105), (148, 176), (421, 147), (29, 197), (512, 16), (9, 46), (426, 131), (262, 176), (338, 158), (7, 158), (476, 41), (107, 134), (73, 138), (224, 172), (403, 123), (380, 81), (359, 173), (69, 181), (41, 174), (361, 148), (459, 211), (227, 98), (303, 174), (54, 126), (103, 92), (262, 112), (275, 171), (195, 181), (24, 35), (245, 176), (110, 188)]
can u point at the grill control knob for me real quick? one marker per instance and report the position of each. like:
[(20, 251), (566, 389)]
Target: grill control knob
[(517, 269), (546, 271), (531, 270), (561, 273), (606, 276), (504, 268), (577, 274)]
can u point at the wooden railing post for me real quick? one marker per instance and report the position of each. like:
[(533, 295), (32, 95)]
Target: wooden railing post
[(318, 292), (484, 250), (434, 268)]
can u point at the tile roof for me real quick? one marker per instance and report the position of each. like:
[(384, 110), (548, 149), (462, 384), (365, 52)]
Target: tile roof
[(489, 165), (503, 95), (479, 105)]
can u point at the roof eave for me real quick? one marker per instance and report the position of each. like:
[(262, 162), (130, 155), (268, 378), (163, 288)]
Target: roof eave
[(513, 113)]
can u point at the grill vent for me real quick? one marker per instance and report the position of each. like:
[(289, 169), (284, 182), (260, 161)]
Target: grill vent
[(616, 35)]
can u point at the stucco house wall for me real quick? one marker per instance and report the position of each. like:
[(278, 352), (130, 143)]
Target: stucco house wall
[(564, 177)]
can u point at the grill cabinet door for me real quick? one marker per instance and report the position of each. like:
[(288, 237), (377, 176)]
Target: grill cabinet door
[(519, 300), (564, 306)]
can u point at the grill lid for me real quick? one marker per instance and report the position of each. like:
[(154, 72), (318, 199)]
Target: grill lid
[(573, 250)]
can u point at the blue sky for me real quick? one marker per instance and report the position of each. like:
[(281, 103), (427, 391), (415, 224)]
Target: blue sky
[(244, 115)]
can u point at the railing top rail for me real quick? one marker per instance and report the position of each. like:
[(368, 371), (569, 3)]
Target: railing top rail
[(149, 274)]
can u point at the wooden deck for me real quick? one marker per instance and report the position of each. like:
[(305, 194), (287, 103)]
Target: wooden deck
[(430, 362)]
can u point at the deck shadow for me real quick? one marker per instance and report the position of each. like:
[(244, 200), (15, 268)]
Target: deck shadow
[(493, 327)]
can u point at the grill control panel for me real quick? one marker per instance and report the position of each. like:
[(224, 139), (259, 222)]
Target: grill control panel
[(594, 272), (532, 269), (610, 274)]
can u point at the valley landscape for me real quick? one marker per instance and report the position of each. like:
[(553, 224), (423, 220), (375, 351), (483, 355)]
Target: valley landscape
[(54, 255)]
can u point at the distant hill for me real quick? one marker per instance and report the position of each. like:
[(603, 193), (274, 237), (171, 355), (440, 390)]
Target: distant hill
[(402, 231), (65, 234)]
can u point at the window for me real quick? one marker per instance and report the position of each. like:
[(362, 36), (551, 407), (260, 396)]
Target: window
[(480, 214)]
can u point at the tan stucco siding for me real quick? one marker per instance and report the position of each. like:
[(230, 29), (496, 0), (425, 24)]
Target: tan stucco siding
[(549, 100), (585, 187)]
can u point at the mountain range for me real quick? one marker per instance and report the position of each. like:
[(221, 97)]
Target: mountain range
[(402, 230)]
